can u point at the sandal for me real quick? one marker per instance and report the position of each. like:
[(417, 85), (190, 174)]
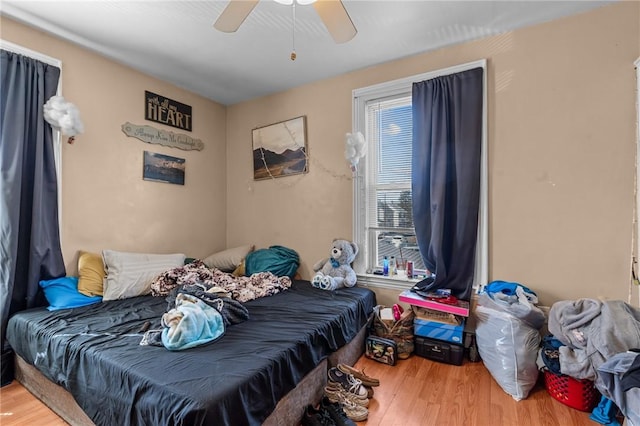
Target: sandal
[(359, 374)]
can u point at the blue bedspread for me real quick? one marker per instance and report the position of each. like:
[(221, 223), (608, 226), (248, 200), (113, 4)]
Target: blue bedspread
[(94, 352)]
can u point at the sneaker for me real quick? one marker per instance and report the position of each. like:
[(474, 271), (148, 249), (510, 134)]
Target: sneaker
[(337, 394), (355, 412), (369, 392), (347, 382), (313, 417), (359, 374), (336, 412)]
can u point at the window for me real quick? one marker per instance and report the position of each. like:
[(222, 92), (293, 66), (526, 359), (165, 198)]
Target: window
[(383, 220), (389, 220)]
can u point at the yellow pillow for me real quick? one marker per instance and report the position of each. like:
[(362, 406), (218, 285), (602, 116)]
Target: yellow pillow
[(240, 270), (90, 274)]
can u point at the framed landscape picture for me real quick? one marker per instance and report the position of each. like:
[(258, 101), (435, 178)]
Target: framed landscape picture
[(280, 149), (163, 168)]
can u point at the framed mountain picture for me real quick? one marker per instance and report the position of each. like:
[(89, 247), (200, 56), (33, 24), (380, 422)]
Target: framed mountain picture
[(163, 168), (280, 149)]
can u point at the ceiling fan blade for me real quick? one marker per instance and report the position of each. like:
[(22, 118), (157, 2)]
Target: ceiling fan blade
[(336, 19), (234, 15)]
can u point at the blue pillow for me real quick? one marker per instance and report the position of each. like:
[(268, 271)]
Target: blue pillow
[(62, 293)]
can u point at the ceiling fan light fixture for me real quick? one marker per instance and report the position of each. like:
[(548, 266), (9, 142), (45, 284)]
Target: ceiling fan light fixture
[(290, 2), (332, 13)]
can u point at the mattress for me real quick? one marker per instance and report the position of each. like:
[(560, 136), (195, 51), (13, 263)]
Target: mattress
[(95, 353)]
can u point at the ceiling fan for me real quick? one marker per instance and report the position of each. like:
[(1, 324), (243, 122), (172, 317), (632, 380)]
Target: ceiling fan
[(332, 13)]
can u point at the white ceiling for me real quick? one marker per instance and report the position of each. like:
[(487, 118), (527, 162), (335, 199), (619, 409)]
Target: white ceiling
[(176, 42)]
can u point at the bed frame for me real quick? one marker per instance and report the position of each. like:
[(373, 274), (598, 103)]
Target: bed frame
[(288, 411)]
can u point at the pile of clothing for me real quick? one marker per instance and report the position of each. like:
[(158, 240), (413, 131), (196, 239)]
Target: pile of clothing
[(196, 314), (202, 302), (597, 340)]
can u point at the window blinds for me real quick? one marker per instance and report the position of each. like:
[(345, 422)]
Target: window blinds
[(389, 129)]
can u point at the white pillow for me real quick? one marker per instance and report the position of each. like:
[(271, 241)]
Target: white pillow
[(229, 259), (131, 274)]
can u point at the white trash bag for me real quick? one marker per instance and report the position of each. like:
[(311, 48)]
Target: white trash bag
[(508, 340)]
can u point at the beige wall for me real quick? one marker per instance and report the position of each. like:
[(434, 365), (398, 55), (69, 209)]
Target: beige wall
[(561, 140), (105, 202), (561, 155)]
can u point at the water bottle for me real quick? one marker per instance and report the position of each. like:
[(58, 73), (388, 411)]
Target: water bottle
[(385, 266)]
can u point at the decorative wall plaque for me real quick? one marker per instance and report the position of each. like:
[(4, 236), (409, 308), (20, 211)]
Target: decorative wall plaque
[(150, 134), (167, 111)]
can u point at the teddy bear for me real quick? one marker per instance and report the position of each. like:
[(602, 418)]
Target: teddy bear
[(336, 272)]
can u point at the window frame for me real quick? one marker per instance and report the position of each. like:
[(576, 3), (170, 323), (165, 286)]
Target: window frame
[(366, 256)]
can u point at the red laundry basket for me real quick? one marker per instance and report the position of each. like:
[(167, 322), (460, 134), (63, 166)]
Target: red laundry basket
[(579, 394)]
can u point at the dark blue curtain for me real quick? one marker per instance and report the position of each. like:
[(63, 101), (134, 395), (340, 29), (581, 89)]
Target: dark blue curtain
[(447, 141), (29, 235)]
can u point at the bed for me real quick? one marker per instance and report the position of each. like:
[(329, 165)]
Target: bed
[(262, 371)]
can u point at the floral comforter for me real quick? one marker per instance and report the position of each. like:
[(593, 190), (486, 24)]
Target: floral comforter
[(242, 289)]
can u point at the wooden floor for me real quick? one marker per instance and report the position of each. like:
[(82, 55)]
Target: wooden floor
[(416, 392), (19, 407), (421, 392)]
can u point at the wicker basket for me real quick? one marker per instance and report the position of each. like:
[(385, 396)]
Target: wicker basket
[(579, 394)]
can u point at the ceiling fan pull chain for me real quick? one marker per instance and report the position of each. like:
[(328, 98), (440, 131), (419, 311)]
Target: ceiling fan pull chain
[(293, 31)]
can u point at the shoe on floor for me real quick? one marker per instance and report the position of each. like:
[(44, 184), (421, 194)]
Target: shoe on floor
[(337, 394), (347, 382), (359, 374), (313, 417), (336, 412), (355, 412), (369, 392)]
